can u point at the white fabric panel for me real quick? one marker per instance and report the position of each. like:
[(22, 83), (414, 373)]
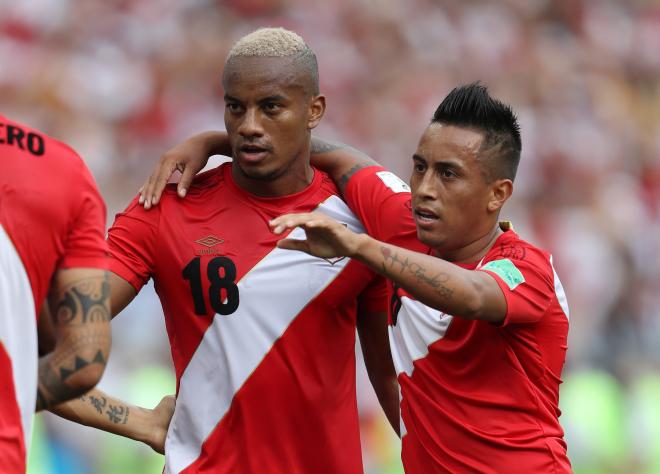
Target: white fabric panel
[(234, 345), (559, 291), (417, 327), (18, 330)]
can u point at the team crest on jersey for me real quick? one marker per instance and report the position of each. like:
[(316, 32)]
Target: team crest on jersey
[(209, 242)]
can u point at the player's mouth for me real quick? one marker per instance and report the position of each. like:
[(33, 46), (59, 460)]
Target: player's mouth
[(425, 218), (250, 153)]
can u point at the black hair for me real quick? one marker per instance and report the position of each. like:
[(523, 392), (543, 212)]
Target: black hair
[(471, 106)]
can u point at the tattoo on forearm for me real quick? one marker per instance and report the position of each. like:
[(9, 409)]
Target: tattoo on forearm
[(118, 414), (98, 403), (403, 265)]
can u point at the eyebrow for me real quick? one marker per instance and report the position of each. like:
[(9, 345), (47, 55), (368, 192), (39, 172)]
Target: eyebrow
[(273, 98), (439, 164)]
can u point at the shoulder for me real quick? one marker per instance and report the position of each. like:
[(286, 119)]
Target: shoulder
[(512, 255), (201, 184), (511, 246)]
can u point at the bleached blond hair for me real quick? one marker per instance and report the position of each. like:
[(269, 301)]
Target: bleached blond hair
[(278, 43)]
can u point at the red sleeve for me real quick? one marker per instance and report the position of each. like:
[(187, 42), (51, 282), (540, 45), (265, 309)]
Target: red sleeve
[(85, 245), (527, 284), (382, 202), (132, 241), (373, 298)]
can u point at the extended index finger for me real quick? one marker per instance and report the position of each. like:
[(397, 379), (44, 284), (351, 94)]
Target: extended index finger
[(289, 221)]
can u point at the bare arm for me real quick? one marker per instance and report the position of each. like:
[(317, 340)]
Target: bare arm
[(340, 161), (121, 293), (435, 282), (79, 302), (372, 330), (100, 410), (190, 156)]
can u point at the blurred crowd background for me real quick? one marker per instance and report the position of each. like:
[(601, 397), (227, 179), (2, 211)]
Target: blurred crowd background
[(123, 80)]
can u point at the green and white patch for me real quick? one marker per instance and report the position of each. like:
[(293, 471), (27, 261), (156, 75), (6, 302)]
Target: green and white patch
[(507, 271)]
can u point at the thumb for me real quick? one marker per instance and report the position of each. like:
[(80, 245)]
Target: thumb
[(294, 244)]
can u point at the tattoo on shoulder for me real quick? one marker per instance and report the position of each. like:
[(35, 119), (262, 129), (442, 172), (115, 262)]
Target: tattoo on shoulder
[(343, 181)]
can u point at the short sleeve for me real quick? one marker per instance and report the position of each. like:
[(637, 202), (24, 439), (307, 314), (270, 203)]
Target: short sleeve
[(131, 243), (527, 284), (382, 201), (373, 298), (85, 245)]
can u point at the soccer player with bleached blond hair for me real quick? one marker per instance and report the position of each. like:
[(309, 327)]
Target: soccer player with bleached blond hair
[(478, 319), (262, 338)]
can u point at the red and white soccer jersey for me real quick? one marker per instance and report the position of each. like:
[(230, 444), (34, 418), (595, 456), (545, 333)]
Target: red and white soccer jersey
[(475, 396), (262, 338), (51, 217)]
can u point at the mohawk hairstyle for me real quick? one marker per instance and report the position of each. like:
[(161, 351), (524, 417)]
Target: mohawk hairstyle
[(471, 106), (278, 43)]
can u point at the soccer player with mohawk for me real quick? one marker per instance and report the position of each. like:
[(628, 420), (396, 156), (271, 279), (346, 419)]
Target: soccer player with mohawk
[(262, 338), (479, 320)]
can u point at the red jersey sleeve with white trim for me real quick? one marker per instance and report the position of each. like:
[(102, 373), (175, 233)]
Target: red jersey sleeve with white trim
[(131, 243), (525, 276), (86, 246), (382, 201)]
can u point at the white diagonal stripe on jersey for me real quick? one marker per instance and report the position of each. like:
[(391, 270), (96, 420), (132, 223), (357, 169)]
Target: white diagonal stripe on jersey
[(559, 292), (233, 346), (18, 330), (417, 327)]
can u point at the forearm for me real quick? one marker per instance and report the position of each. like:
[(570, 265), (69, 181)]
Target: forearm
[(387, 392), (66, 373), (431, 280), (99, 410), (338, 160), (215, 142), (374, 340)]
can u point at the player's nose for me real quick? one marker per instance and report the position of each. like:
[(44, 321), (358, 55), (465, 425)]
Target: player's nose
[(250, 126)]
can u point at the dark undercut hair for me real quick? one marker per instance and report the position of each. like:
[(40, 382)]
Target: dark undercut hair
[(471, 106)]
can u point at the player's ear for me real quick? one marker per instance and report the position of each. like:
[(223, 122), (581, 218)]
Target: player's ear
[(500, 191), (316, 111)]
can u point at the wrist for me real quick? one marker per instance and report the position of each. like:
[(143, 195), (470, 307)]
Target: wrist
[(360, 246), (143, 424)]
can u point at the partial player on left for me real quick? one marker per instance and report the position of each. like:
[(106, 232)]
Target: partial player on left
[(53, 260)]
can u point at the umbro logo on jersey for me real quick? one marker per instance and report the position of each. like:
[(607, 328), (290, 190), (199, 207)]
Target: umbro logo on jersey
[(209, 242), (332, 261)]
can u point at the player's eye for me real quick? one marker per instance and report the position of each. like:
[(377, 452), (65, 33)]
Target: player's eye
[(419, 167), (447, 173), (233, 107), (272, 106)]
